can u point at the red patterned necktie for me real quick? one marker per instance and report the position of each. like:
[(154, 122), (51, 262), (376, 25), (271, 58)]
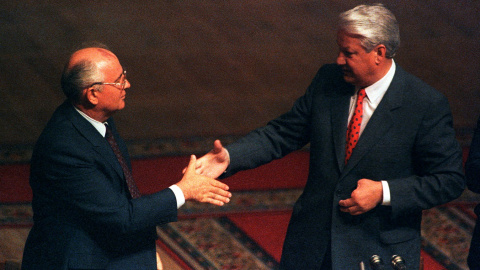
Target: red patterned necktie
[(132, 187), (353, 132)]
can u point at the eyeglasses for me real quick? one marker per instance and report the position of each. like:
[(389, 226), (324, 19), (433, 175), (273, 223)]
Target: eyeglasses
[(120, 85)]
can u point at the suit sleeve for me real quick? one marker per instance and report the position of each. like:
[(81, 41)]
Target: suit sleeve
[(437, 161), (472, 166), (281, 136), (74, 181)]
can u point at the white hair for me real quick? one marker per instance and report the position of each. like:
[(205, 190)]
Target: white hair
[(375, 25)]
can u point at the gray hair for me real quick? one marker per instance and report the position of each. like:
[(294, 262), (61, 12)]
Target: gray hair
[(375, 25), (82, 75), (78, 77)]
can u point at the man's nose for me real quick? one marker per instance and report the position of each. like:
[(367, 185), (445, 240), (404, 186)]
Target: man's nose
[(340, 59)]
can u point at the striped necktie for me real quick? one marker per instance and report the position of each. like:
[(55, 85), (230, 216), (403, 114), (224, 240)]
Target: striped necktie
[(132, 187)]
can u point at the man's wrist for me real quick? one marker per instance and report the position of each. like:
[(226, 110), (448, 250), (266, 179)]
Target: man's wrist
[(386, 193), (179, 196)]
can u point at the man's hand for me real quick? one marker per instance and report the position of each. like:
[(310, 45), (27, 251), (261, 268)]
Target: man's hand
[(159, 262), (215, 162), (202, 188), (364, 198)]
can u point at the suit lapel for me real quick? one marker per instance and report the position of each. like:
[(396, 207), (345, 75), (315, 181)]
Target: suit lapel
[(380, 122), (339, 111), (100, 145)]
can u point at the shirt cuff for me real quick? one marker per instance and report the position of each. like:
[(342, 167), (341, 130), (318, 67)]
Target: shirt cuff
[(386, 193), (178, 195)]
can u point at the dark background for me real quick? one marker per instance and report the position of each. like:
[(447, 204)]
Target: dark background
[(217, 68)]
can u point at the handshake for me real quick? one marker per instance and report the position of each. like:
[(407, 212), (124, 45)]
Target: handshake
[(198, 181)]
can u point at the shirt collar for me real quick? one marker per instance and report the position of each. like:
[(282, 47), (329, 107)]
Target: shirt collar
[(376, 91), (96, 124)]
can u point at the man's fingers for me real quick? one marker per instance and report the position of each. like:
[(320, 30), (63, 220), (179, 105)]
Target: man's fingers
[(223, 199), (352, 211), (219, 191), (223, 194), (202, 188), (350, 206), (215, 202), (219, 184), (346, 203), (216, 198), (191, 164)]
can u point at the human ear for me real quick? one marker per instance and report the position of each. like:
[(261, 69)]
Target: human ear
[(380, 52), (92, 95)]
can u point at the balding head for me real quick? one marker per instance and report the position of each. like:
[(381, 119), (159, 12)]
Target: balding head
[(84, 68), (100, 56)]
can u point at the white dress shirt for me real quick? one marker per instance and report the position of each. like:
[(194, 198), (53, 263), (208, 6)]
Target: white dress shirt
[(102, 130), (374, 94)]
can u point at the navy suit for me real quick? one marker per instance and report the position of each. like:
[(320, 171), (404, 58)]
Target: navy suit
[(409, 142), (84, 217), (472, 171)]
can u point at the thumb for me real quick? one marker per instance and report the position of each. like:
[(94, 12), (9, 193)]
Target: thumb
[(217, 146), (191, 164)]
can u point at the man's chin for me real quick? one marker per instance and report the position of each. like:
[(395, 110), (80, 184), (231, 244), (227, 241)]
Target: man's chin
[(349, 79), (121, 106)]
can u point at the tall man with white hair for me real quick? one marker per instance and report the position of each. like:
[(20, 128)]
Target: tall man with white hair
[(382, 149)]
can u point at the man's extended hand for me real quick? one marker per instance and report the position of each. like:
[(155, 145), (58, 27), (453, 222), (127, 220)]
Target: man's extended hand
[(215, 162), (364, 198), (202, 188)]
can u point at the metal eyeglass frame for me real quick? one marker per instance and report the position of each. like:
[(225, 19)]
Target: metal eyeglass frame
[(118, 85)]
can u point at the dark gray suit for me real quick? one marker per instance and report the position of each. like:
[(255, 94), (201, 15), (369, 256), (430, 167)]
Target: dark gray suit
[(83, 215), (409, 142)]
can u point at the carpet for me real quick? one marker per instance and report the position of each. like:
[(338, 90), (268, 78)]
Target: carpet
[(248, 232), (446, 233)]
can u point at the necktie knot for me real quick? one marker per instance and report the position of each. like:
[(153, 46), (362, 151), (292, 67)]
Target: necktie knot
[(360, 96)]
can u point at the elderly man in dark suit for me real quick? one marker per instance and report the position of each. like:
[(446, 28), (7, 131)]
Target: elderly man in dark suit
[(382, 149), (88, 213)]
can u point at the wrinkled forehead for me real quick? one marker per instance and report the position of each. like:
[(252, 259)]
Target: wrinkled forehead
[(347, 40)]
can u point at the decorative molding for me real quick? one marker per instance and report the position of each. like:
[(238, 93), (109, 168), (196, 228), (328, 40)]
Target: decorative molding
[(21, 153)]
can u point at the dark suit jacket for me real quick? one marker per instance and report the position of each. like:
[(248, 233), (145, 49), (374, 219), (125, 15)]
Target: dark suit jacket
[(472, 171), (409, 142), (83, 215)]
